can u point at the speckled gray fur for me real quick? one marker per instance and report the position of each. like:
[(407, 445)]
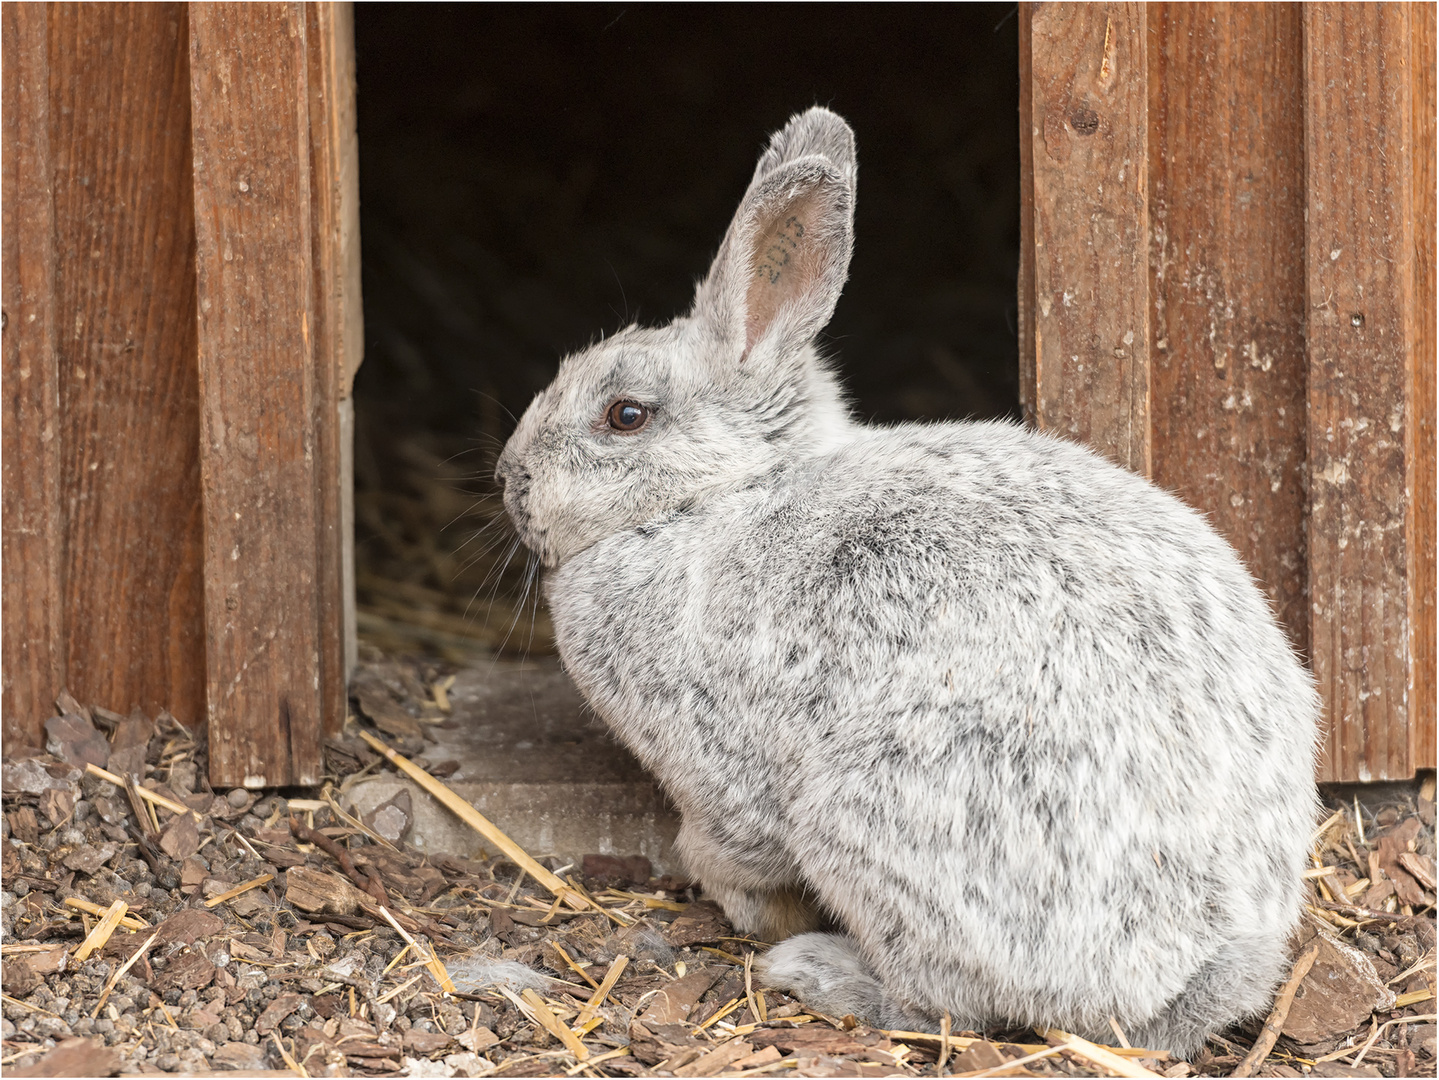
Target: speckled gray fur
[(1015, 722)]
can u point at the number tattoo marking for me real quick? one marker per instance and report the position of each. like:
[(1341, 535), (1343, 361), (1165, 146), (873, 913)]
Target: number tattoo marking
[(776, 257)]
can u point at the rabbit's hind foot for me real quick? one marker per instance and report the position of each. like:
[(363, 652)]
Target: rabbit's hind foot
[(1238, 982), (828, 974)]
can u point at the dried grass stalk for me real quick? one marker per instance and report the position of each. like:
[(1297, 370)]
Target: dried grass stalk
[(1019, 1063), (437, 969), (119, 972), (129, 922), (238, 889), (144, 793), (481, 825), (581, 972), (1275, 1024), (607, 984), (1098, 1055), (530, 1005), (103, 929)]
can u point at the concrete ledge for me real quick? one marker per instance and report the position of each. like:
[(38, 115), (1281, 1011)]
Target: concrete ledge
[(535, 761)]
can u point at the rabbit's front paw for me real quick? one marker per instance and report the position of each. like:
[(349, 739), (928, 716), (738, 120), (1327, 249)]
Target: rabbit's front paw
[(826, 972)]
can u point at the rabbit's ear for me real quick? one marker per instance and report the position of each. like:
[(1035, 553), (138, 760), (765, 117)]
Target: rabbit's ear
[(779, 272)]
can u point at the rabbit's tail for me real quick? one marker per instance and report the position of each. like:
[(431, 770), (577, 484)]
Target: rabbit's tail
[(827, 973)]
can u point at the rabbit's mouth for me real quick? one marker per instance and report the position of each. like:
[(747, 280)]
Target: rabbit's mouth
[(532, 537)]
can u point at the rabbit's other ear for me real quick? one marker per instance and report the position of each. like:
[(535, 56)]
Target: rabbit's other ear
[(779, 272)]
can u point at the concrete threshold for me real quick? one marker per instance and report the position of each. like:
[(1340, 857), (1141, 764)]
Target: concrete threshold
[(538, 763)]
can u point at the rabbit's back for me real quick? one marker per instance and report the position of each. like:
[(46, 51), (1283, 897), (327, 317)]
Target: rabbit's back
[(1020, 719)]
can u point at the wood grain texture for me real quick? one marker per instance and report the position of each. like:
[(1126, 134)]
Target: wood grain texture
[(125, 283), (259, 459), (338, 329), (1228, 368), (31, 535), (1361, 343), (1421, 405), (1027, 135), (1089, 157)]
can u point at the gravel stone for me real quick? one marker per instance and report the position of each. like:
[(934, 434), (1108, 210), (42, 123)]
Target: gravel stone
[(237, 797), (52, 1027)]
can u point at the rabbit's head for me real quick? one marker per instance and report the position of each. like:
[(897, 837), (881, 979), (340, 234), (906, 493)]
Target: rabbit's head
[(648, 420)]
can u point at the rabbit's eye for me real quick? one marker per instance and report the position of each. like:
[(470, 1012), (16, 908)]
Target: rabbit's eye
[(627, 416)]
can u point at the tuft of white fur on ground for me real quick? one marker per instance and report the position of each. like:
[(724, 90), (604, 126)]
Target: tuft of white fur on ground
[(475, 974)]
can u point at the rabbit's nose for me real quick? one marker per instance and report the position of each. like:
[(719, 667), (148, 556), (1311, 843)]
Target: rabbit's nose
[(513, 477)]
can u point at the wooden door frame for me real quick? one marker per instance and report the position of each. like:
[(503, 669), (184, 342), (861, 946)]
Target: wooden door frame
[(178, 421)]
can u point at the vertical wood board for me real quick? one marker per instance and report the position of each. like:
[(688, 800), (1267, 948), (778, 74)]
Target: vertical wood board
[(1421, 406), (31, 534), (1361, 339), (259, 459), (334, 213), (1228, 367), (1027, 135), (125, 281), (1089, 155)]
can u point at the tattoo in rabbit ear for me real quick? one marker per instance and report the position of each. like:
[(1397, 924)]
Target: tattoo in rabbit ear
[(783, 242), (787, 264)]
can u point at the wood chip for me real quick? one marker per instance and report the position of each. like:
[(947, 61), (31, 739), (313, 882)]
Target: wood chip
[(768, 1056), (188, 925), (75, 1057), (715, 1061), (181, 838), (1018, 1063), (275, 1012), (322, 891), (675, 1001), (1420, 866)]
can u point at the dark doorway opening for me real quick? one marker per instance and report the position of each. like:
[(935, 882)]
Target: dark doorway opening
[(532, 176)]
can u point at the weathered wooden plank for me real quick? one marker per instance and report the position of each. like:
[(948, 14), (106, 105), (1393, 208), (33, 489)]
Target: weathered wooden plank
[(1089, 152), (1421, 406), (31, 533), (125, 283), (338, 330), (250, 102), (1361, 343), (1228, 367), (1027, 135)]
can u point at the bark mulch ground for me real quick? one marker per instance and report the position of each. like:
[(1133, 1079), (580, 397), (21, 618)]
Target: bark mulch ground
[(160, 926)]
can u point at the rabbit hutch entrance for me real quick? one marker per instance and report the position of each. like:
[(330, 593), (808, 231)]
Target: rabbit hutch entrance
[(532, 178), (1222, 222)]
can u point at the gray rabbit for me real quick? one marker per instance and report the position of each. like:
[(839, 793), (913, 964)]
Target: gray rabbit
[(968, 719)]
